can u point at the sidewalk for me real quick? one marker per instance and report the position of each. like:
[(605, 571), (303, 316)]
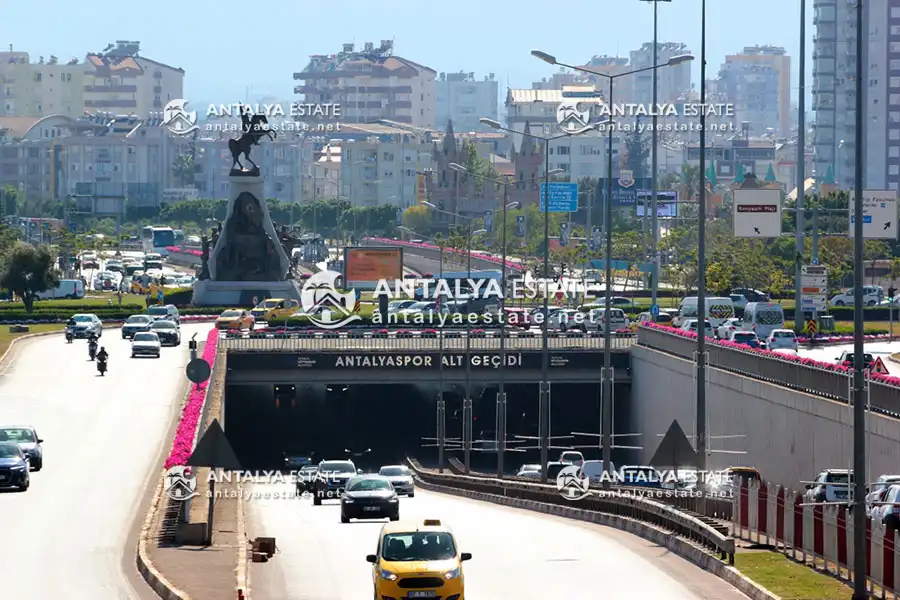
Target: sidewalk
[(206, 573)]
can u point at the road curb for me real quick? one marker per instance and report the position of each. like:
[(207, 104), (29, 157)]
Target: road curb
[(156, 580), (895, 357), (27, 336), (656, 535), (243, 564)]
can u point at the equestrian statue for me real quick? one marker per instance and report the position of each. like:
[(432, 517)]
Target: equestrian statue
[(253, 129)]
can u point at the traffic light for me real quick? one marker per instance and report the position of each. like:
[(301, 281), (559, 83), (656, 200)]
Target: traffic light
[(892, 291)]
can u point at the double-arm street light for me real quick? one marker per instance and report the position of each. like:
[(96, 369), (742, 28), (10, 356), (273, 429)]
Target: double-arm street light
[(467, 401), (544, 406), (607, 376)]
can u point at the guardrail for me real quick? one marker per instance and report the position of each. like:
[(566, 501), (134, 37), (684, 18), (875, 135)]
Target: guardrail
[(415, 341), (835, 385), (620, 504)]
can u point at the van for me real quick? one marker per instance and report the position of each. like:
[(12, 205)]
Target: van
[(718, 310), (67, 288), (762, 318)]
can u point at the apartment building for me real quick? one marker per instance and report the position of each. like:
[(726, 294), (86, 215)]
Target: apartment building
[(671, 82), (463, 99), (623, 87), (370, 84), (118, 80), (758, 82), (834, 92), (279, 163), (538, 107)]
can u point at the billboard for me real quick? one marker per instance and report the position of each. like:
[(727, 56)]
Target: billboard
[(666, 203), (364, 267)]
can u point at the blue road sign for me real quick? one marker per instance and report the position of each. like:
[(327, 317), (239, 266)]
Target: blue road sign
[(654, 310), (866, 218), (563, 197)]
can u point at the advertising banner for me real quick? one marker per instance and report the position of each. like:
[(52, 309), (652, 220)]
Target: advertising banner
[(364, 267)]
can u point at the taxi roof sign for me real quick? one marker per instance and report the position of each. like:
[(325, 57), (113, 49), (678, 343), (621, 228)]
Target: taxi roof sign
[(437, 522), (879, 366)]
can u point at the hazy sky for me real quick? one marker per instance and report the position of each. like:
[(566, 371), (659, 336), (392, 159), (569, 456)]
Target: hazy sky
[(229, 46)]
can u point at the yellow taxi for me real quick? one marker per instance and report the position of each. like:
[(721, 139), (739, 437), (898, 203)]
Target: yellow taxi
[(418, 560), (235, 318), (273, 309)]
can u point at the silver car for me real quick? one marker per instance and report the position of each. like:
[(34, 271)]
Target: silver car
[(401, 478), (86, 325), (145, 343)]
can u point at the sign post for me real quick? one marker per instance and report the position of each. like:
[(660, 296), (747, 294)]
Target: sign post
[(879, 215), (757, 213), (563, 197), (813, 291)]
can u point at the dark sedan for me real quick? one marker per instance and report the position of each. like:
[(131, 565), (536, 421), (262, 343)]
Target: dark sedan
[(28, 441), (370, 497), (13, 467), (306, 478), (168, 332), (135, 324)]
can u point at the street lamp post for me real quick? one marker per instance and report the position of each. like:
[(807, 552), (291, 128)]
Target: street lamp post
[(607, 375), (544, 406)]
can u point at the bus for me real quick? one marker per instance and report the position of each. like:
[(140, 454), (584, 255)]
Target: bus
[(155, 239)]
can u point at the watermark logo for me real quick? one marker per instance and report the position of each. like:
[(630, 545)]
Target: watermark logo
[(572, 483), (177, 119), (571, 119), (325, 306), (180, 483)]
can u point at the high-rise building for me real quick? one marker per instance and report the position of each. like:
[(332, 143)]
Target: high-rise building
[(117, 81), (834, 92), (758, 83), (671, 82), (463, 99), (370, 85)]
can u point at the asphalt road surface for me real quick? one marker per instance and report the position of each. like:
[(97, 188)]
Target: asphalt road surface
[(516, 554), (70, 535)]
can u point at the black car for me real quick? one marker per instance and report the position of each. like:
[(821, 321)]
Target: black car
[(752, 295), (136, 324), (168, 332), (370, 497), (13, 467), (331, 479), (294, 462), (306, 478), (26, 438)]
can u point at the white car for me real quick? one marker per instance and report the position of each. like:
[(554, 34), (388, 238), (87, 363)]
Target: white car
[(782, 339), (572, 457), (872, 295), (832, 485), (724, 331), (400, 477), (691, 325), (145, 343)]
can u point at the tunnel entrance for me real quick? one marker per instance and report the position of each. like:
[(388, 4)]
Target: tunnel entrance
[(382, 424)]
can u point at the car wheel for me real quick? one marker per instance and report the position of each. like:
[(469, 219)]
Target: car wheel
[(132, 355), (870, 303), (317, 499), (38, 466), (24, 488), (344, 518), (395, 516), (412, 494), (839, 303)]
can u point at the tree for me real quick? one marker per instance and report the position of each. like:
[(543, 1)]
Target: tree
[(28, 271), (183, 169), (480, 167), (718, 277), (638, 149), (418, 218)]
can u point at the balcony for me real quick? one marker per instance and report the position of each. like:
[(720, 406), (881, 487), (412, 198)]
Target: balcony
[(111, 89), (110, 103)]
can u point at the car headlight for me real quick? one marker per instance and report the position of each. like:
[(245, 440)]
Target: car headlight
[(394, 499), (453, 574), (18, 467), (385, 574)]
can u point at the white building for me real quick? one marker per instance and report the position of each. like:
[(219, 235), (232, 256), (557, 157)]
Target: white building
[(834, 92), (671, 83), (758, 82), (463, 99)]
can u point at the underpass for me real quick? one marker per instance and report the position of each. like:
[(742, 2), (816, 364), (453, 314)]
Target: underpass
[(71, 535)]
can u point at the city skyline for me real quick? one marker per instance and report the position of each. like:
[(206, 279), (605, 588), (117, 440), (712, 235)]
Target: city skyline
[(267, 58)]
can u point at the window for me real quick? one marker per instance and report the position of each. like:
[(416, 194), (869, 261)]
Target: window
[(894, 152), (894, 170), (37, 76), (894, 134)]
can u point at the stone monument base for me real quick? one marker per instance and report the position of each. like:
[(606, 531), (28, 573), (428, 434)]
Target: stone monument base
[(241, 293)]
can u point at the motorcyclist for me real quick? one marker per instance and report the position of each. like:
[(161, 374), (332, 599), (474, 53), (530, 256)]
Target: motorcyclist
[(102, 356), (92, 345)]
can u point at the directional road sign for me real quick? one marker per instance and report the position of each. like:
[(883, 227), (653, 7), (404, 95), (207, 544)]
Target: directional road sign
[(757, 213), (879, 215), (814, 288), (654, 310), (563, 196)]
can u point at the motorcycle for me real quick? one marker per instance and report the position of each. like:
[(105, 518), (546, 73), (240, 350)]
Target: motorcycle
[(92, 349), (69, 336), (101, 367)]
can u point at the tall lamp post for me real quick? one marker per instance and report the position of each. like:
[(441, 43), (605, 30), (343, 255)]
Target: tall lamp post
[(501, 393), (544, 406), (467, 401), (607, 374)]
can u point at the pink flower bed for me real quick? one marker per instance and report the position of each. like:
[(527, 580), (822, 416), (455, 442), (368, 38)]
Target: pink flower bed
[(808, 362), (475, 253), (183, 444), (177, 250)]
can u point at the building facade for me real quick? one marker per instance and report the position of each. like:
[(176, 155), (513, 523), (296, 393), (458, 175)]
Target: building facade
[(280, 166), (463, 99), (117, 81), (672, 82), (370, 84), (758, 82)]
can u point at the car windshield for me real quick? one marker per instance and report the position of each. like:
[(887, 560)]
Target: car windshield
[(744, 337), (394, 471), (337, 467), (137, 319), (19, 436), (369, 484), (270, 303), (164, 325), (572, 456), (83, 318), (9, 451), (418, 546), (783, 334), (838, 478), (157, 310), (231, 313), (146, 337)]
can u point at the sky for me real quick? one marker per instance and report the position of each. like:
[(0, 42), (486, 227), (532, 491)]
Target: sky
[(232, 48)]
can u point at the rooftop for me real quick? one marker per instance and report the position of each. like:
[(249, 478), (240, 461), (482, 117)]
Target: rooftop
[(552, 96)]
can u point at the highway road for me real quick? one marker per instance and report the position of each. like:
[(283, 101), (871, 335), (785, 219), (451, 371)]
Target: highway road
[(516, 554), (71, 534), (882, 349)]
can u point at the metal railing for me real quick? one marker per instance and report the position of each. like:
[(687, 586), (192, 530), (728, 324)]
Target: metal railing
[(884, 398), (413, 341), (621, 504)]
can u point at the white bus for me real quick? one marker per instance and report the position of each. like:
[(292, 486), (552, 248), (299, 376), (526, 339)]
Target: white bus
[(156, 239)]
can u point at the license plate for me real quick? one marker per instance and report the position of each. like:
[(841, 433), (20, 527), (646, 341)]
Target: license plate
[(370, 508), (421, 595)]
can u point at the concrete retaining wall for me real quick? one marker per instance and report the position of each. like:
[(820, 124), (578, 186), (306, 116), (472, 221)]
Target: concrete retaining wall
[(790, 436)]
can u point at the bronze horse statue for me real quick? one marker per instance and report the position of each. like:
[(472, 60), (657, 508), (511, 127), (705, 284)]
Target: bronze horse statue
[(254, 128)]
